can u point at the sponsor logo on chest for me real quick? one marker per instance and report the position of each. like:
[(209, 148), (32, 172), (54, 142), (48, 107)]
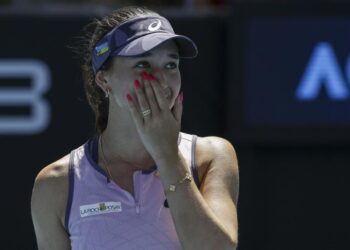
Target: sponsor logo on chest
[(100, 208)]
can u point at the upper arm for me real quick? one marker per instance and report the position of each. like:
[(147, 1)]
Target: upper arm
[(220, 185), (48, 207)]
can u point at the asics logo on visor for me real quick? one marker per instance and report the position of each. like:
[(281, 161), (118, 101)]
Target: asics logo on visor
[(154, 25)]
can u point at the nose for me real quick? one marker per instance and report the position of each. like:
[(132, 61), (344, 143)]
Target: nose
[(159, 75)]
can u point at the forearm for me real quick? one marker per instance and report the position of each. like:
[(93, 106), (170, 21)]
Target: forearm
[(196, 224)]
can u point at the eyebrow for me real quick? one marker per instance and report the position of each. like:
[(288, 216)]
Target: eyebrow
[(147, 54)]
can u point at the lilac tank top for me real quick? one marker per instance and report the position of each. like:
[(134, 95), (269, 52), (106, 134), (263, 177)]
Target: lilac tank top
[(101, 215)]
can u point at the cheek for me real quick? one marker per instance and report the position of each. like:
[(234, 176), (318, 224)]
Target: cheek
[(123, 84), (175, 81)]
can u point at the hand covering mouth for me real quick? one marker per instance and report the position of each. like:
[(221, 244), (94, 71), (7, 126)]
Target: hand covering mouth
[(167, 93)]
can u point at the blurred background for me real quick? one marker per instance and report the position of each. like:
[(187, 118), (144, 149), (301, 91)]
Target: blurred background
[(272, 77)]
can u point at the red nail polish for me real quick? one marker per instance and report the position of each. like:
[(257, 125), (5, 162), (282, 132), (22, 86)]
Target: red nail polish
[(145, 76), (151, 77), (129, 97), (137, 84), (181, 96)]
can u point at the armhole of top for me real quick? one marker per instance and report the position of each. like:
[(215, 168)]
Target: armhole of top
[(194, 167), (70, 191)]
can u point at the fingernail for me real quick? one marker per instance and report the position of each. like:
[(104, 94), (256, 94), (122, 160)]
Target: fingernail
[(137, 84), (145, 76), (181, 96), (129, 97), (151, 77)]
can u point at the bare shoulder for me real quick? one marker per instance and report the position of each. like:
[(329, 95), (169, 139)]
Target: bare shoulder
[(54, 176), (51, 188), (211, 147), (48, 205), (216, 157)]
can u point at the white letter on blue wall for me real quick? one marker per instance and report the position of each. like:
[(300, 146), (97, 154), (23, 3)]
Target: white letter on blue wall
[(40, 82), (322, 68)]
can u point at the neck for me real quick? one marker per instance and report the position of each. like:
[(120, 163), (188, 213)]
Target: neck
[(122, 147)]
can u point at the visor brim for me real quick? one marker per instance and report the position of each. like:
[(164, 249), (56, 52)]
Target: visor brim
[(187, 48)]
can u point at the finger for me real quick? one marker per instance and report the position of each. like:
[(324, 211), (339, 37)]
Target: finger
[(152, 101), (134, 112), (163, 103), (141, 98), (178, 107)]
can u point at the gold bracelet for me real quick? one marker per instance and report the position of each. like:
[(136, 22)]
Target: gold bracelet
[(172, 187)]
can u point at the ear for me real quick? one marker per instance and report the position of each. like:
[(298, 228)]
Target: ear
[(102, 81)]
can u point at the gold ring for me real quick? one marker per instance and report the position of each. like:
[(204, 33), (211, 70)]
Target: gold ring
[(146, 112)]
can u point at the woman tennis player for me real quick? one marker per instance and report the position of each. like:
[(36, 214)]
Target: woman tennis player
[(139, 183)]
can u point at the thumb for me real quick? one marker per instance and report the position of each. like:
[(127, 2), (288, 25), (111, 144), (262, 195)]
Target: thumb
[(177, 110)]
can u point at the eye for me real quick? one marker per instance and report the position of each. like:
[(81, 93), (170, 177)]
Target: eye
[(171, 65), (142, 64)]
